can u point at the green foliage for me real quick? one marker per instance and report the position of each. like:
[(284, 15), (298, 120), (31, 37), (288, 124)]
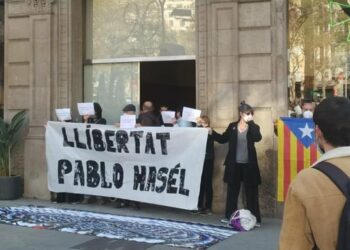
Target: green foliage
[(8, 137)]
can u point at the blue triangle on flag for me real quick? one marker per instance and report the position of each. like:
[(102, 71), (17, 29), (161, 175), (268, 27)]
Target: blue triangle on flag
[(302, 128)]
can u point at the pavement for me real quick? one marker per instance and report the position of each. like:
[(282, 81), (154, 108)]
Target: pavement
[(17, 238)]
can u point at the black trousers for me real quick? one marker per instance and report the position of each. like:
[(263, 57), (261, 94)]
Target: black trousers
[(68, 197), (251, 192), (206, 189)]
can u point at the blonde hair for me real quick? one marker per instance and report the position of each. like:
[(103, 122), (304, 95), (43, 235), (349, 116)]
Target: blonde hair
[(205, 119)]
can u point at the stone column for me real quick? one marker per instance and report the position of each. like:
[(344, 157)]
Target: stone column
[(218, 75), (241, 55), (28, 82), (40, 50)]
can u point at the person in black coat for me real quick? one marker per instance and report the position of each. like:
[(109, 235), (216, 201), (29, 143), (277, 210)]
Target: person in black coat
[(206, 188), (147, 118), (241, 164), (97, 117)]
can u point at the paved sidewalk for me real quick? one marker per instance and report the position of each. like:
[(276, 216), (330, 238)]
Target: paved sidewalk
[(17, 238)]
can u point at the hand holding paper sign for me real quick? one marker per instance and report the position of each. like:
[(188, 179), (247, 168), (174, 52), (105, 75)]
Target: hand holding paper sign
[(127, 121), (86, 108), (63, 114), (168, 117), (189, 114)]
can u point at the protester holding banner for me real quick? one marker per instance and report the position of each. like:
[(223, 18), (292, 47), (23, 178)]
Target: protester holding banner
[(180, 122), (128, 119), (147, 118), (129, 109), (64, 115), (206, 189), (241, 164), (144, 164), (95, 119)]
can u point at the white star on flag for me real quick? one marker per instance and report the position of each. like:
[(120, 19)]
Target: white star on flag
[(306, 131)]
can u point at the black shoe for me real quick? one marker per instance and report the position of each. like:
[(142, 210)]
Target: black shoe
[(137, 206), (206, 212), (194, 212)]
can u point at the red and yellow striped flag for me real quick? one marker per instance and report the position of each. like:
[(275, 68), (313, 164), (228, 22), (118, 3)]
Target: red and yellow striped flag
[(296, 150)]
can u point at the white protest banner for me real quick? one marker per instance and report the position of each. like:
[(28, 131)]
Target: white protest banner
[(157, 165), (127, 121), (189, 114), (168, 116), (86, 108), (63, 114)]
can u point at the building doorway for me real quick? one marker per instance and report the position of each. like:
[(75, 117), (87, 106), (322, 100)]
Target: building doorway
[(170, 83)]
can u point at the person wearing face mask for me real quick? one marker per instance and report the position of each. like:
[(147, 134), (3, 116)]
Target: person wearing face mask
[(241, 163), (305, 112), (307, 109), (314, 204)]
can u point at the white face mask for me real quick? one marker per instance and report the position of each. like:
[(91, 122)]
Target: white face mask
[(307, 114), (247, 118)]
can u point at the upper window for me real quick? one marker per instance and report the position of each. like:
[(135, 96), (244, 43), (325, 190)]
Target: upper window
[(140, 28), (120, 34), (319, 46)]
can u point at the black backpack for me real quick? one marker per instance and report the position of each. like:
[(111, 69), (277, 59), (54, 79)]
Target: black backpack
[(342, 181)]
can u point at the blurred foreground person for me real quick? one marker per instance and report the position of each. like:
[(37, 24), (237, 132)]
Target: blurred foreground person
[(314, 203)]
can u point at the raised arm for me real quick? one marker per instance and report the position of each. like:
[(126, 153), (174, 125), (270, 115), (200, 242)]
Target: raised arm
[(221, 138), (254, 131)]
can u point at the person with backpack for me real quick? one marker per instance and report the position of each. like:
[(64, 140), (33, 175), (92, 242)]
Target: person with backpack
[(317, 207)]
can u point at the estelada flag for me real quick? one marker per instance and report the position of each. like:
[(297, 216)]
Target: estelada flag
[(296, 150)]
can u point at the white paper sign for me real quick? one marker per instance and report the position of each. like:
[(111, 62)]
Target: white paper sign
[(189, 114), (127, 121), (168, 116), (146, 164), (86, 108), (63, 114)]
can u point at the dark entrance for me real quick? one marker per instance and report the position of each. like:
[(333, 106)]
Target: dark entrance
[(170, 83)]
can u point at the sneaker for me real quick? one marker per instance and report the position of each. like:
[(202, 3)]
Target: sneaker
[(224, 220), (194, 212)]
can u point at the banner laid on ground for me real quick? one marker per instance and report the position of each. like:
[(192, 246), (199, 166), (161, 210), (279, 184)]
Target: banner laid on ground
[(158, 165), (296, 150), (138, 229)]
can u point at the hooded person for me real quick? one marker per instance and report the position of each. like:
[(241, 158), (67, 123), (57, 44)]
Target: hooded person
[(97, 117)]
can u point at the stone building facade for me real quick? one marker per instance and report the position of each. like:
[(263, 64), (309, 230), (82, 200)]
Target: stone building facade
[(241, 54)]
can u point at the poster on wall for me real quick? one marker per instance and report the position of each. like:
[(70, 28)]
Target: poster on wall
[(157, 165)]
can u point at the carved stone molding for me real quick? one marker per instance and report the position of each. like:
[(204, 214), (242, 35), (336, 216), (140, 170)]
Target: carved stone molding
[(16, 8), (40, 6)]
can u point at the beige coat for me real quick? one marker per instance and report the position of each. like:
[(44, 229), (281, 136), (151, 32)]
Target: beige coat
[(313, 207)]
